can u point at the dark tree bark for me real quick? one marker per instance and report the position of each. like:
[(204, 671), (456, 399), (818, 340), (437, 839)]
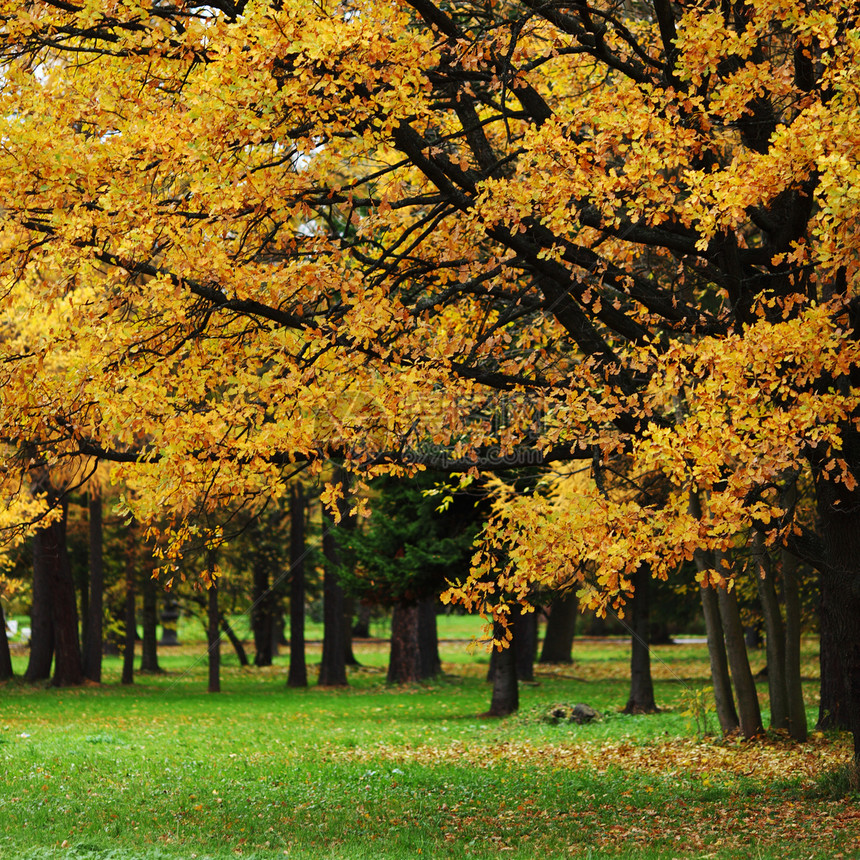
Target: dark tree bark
[(298, 675), (333, 663), (523, 629), (234, 640), (833, 707), (414, 644), (170, 615), (404, 664), (525, 648), (213, 636), (261, 614), (149, 645), (506, 693), (797, 725), (749, 712), (839, 515), (5, 654), (774, 633), (361, 628), (641, 700), (68, 668), (130, 615), (94, 638), (41, 621), (349, 657), (724, 701), (428, 638), (560, 627)]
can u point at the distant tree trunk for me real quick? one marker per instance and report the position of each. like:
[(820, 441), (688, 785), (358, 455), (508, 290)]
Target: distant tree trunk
[(506, 694), (213, 637), (349, 657), (404, 664), (130, 615), (279, 628), (361, 628), (641, 700), (774, 632), (797, 725), (94, 638), (333, 663), (227, 629), (5, 655), (68, 669), (170, 615), (558, 640), (149, 646), (261, 614), (736, 651), (428, 638), (523, 638), (525, 649), (41, 621), (81, 580), (298, 676)]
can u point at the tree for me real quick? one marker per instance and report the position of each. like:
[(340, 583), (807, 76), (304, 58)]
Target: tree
[(635, 220), (94, 640), (332, 671), (560, 630), (298, 674), (416, 538)]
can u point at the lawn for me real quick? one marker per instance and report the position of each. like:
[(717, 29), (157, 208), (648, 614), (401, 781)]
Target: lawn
[(163, 770)]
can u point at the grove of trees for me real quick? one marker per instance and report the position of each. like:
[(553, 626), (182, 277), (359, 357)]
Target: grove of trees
[(614, 242)]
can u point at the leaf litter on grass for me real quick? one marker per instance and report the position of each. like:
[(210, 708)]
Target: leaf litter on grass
[(698, 796)]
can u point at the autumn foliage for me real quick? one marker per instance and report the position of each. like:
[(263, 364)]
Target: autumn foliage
[(239, 238)]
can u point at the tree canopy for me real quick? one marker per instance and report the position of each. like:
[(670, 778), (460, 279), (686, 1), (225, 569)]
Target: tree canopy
[(236, 238)]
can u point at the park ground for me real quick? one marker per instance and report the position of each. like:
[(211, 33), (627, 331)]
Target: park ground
[(163, 770)]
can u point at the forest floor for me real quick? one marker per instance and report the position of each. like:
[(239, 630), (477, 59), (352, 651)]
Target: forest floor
[(162, 770)]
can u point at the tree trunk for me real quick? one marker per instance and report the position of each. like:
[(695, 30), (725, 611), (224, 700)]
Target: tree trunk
[(333, 663), (832, 708), (724, 701), (149, 646), (797, 726), (526, 635), (130, 616), (428, 638), (298, 676), (94, 638), (506, 693), (41, 622), (839, 514), (5, 655), (213, 637), (361, 628), (261, 614), (68, 669), (774, 632), (235, 641), (641, 699), (349, 657), (404, 664), (723, 698), (736, 651), (560, 627)]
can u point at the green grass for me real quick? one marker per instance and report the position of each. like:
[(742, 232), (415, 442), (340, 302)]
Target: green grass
[(163, 770)]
